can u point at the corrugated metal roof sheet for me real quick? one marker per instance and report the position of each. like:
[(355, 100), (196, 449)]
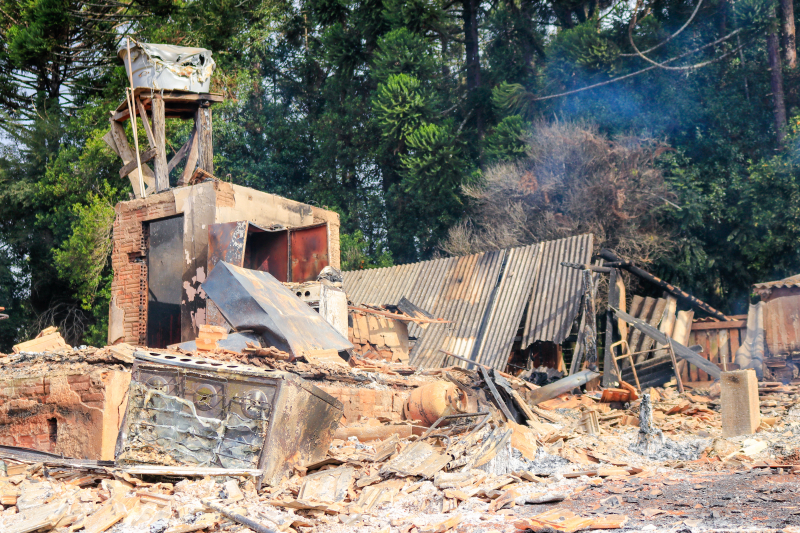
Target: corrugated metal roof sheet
[(792, 281), (484, 296), (557, 291)]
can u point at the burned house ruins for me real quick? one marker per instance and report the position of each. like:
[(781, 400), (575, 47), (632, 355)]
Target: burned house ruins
[(249, 385)]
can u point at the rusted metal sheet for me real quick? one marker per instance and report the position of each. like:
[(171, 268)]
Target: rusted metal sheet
[(309, 252), (187, 411), (226, 242), (254, 300), (782, 321), (268, 251), (485, 296), (289, 255)]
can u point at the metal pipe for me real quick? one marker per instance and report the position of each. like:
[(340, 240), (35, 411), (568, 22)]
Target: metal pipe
[(561, 386), (593, 268), (672, 289), (131, 112), (243, 520)]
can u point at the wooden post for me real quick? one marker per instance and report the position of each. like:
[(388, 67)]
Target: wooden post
[(191, 158), (608, 359), (205, 147), (678, 380), (159, 137), (127, 155), (739, 401)]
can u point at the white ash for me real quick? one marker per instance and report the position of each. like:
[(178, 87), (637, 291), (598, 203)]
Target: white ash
[(359, 446), (651, 439), (509, 460), (685, 450)]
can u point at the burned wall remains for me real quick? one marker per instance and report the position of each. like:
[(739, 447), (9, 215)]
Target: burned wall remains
[(75, 412), (200, 206)]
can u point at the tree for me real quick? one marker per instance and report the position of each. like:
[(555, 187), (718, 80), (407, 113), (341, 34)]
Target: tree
[(572, 180)]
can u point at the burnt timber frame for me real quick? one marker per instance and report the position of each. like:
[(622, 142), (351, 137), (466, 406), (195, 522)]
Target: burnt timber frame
[(161, 105)]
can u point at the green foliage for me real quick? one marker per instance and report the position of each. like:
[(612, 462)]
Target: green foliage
[(506, 142), (400, 106), (81, 258), (358, 254), (582, 49), (512, 98), (435, 164), (402, 52), (755, 14)]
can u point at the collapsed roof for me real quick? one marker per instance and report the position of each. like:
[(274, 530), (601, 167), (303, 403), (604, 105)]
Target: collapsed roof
[(485, 296)]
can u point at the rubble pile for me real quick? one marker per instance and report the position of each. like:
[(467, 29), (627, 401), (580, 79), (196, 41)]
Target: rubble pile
[(453, 460)]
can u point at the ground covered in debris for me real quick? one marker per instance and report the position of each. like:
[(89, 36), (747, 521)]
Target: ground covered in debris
[(477, 473)]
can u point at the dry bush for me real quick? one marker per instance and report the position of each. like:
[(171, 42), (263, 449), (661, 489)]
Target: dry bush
[(573, 181)]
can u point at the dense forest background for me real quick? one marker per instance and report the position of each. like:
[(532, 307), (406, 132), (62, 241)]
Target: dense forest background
[(666, 127)]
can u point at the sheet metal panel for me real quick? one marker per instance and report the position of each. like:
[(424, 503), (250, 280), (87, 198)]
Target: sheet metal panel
[(164, 272), (557, 290), (309, 252), (484, 321), (226, 242), (782, 321), (254, 300)]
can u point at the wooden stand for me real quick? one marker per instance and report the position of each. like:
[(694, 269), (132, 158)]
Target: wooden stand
[(161, 105)]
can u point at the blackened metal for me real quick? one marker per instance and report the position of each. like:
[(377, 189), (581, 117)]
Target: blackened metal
[(226, 242), (587, 266), (268, 251), (253, 300), (651, 373), (413, 310), (164, 274), (258, 527), (190, 411), (429, 432), (608, 357), (672, 289), (290, 255)]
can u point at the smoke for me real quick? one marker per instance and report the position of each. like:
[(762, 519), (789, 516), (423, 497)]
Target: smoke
[(573, 180)]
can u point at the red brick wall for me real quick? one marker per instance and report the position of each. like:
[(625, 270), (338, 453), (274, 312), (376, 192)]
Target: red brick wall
[(128, 260), (56, 413)]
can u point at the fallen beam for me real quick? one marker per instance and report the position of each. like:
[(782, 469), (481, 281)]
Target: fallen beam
[(608, 255), (681, 351)]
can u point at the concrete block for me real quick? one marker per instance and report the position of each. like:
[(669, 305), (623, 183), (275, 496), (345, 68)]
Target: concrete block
[(739, 401)]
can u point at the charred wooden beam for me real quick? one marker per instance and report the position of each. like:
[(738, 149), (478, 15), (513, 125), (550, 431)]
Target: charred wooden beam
[(672, 289), (133, 164)]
